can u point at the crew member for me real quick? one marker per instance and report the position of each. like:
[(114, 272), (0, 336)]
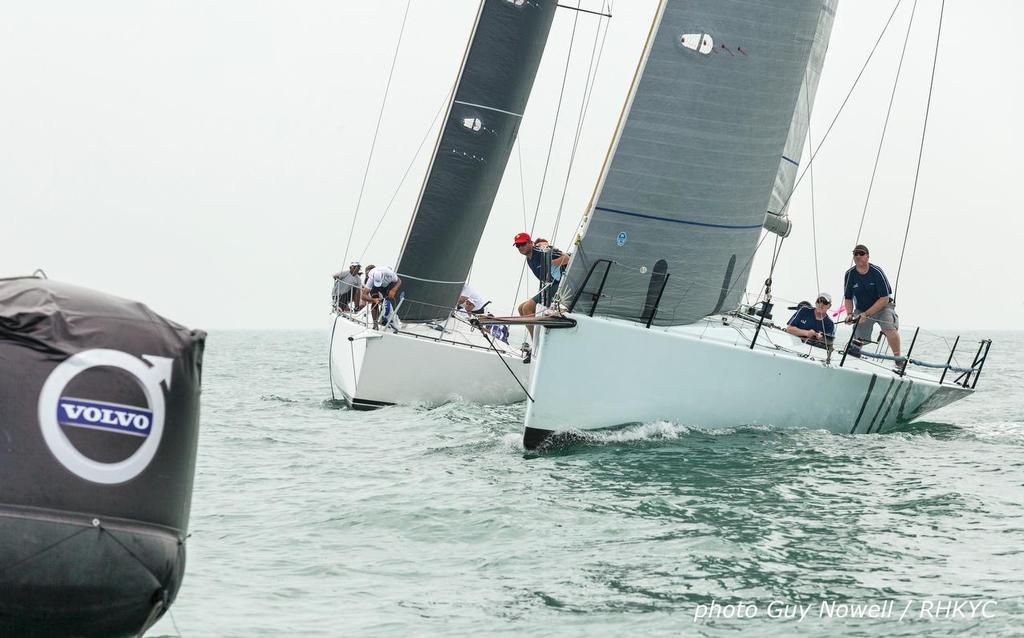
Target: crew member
[(470, 300), (867, 288), (813, 325), (381, 282), (346, 288), (547, 264)]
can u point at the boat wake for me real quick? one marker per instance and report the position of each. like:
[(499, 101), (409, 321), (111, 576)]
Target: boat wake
[(571, 439), (334, 404)]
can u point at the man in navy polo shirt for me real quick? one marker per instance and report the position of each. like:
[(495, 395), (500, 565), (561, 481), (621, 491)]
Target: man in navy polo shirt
[(813, 324), (547, 264), (866, 287)]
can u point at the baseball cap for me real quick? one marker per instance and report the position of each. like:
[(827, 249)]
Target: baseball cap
[(824, 295), (521, 238), (355, 263), (862, 247)]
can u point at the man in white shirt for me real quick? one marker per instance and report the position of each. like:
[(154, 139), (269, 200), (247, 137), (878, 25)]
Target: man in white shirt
[(381, 281), (470, 300)]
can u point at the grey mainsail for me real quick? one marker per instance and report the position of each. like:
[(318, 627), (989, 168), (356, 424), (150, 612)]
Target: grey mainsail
[(777, 219), (692, 169), (472, 151)]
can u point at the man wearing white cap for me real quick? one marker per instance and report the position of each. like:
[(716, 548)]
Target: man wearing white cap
[(346, 287), (813, 324), (382, 283)]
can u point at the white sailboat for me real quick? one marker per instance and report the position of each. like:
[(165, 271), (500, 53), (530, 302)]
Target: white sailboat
[(652, 327), (431, 355), (426, 364)]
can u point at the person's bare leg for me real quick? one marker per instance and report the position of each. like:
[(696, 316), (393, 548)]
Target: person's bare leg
[(893, 337), (527, 309)]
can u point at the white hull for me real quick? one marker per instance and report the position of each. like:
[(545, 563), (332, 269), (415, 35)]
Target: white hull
[(607, 372), (372, 368)]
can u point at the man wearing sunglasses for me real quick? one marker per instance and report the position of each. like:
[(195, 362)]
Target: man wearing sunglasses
[(867, 288), (547, 264), (813, 325)]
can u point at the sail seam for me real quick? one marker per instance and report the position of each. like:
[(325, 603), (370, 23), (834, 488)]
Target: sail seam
[(430, 281), (678, 221), (489, 108)]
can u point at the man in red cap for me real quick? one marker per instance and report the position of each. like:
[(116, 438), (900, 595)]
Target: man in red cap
[(547, 264)]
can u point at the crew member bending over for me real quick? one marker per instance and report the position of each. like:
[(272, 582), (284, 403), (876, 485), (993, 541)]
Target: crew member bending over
[(381, 281)]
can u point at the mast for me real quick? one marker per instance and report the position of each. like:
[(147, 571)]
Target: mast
[(484, 114)]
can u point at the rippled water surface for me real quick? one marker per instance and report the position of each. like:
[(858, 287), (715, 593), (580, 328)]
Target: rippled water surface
[(309, 519)]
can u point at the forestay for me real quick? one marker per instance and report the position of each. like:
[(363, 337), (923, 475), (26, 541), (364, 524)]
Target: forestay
[(692, 168), (472, 151), (777, 219)]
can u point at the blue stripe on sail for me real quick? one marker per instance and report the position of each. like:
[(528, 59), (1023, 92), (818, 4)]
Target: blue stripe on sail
[(791, 161), (677, 221)]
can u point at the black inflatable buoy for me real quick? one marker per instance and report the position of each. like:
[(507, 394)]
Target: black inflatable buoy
[(99, 420)]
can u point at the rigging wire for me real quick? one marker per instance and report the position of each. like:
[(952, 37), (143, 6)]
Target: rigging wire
[(920, 151), (558, 112), (814, 221), (600, 53), (885, 126), (522, 193), (551, 143), (376, 131), (746, 265), (588, 88), (810, 162), (408, 168), (776, 252), (522, 180)]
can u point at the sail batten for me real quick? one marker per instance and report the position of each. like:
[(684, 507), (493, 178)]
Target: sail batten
[(471, 154), (694, 159)]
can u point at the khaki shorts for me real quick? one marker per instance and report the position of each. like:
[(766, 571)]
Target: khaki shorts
[(886, 318)]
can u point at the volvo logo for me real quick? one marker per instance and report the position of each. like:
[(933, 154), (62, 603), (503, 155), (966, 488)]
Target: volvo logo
[(57, 409)]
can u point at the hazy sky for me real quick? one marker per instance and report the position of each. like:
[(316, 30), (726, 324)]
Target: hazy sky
[(206, 157)]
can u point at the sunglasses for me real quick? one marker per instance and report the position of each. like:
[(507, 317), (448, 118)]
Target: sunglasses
[(824, 301), (521, 244), (859, 253)]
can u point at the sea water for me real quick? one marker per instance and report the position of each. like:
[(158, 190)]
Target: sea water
[(309, 519)]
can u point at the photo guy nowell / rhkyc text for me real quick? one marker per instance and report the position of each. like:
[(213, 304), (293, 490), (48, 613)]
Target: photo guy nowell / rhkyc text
[(913, 609)]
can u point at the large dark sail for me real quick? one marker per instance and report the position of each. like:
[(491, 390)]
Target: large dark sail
[(472, 151)]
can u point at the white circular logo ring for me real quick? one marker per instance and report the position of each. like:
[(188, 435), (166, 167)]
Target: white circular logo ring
[(148, 378)]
